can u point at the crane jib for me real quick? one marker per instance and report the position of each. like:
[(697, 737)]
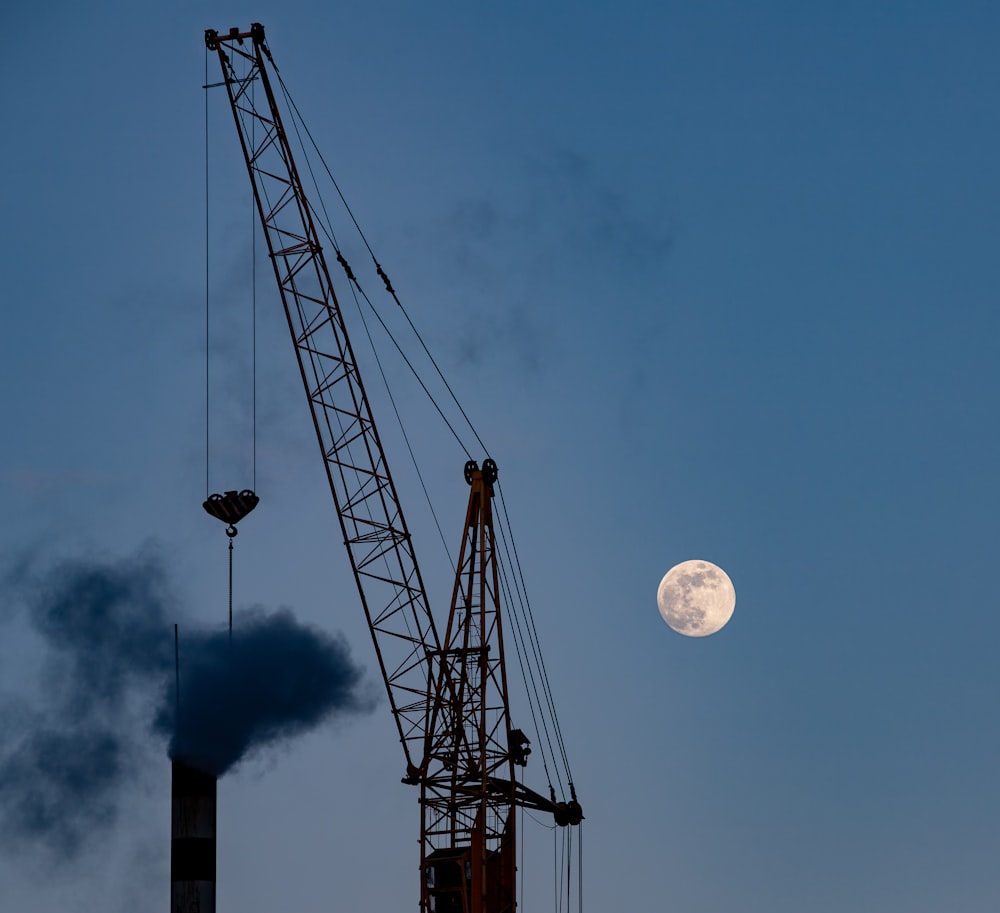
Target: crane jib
[(368, 507)]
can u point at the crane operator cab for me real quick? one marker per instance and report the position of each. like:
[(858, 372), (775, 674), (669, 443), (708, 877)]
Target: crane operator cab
[(448, 879), (451, 882)]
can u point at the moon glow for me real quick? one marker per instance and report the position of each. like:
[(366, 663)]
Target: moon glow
[(696, 598)]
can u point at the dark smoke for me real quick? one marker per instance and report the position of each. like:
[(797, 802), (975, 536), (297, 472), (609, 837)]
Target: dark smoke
[(108, 683), (274, 680), (58, 786)]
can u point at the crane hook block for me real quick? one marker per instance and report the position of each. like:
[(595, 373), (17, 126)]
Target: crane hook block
[(231, 507)]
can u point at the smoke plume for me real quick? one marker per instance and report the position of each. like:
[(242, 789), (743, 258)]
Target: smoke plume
[(275, 679), (108, 682)]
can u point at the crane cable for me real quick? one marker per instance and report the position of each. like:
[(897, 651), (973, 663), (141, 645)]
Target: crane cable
[(533, 631), (562, 875), (530, 658), (378, 267), (402, 427), (231, 591), (231, 528), (512, 578), (327, 229), (529, 643), (207, 285), (208, 297), (326, 225)]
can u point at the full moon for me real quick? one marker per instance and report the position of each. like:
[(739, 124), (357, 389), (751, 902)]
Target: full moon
[(696, 598)]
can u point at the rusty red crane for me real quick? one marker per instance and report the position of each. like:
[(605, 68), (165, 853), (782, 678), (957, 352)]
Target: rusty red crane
[(448, 695)]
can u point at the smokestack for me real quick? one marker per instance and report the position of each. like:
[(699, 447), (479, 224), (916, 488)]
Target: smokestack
[(192, 843)]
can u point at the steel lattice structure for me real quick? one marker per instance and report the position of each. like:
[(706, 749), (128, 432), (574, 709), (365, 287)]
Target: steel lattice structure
[(467, 791), (371, 517), (449, 700)]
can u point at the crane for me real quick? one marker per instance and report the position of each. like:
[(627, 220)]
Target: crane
[(448, 694)]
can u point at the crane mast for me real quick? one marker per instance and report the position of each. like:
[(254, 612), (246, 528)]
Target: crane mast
[(467, 790), (448, 697)]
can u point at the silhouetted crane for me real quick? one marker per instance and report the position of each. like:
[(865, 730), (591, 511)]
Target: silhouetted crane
[(448, 696)]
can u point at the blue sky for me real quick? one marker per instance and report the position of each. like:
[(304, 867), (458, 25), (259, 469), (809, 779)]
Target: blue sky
[(714, 281)]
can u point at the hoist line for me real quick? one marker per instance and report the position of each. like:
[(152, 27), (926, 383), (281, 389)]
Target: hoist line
[(523, 842), (558, 854), (569, 868), (534, 637), (253, 301), (378, 266), (230, 592), (207, 488), (253, 296)]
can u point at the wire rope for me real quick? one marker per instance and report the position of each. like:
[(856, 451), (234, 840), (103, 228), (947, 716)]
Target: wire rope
[(327, 229), (534, 654), (579, 868), (529, 643), (326, 225), (555, 872), (529, 680), (208, 295), (253, 296), (524, 628), (207, 287), (381, 272), (523, 842), (569, 868), (402, 428), (534, 637), (230, 592)]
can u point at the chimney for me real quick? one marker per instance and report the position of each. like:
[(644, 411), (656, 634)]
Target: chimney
[(192, 843)]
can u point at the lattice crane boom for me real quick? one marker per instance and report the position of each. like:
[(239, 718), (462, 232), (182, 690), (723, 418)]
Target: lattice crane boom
[(368, 507)]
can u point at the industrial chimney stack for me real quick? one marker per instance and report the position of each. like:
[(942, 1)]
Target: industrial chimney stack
[(192, 843)]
